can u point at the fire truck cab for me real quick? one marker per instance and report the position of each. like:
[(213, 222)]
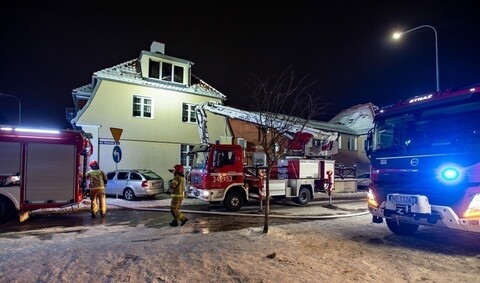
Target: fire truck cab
[(425, 162), (219, 175)]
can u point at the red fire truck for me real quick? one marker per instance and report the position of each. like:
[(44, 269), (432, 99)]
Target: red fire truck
[(49, 165), (425, 162), (219, 173)]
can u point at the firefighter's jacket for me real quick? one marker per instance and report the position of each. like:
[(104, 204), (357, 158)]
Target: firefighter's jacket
[(178, 186), (97, 178)]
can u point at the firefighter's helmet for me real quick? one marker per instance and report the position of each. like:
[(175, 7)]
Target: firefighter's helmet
[(94, 164), (177, 169)]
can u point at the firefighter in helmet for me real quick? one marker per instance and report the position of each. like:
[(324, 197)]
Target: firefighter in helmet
[(178, 191), (97, 179)]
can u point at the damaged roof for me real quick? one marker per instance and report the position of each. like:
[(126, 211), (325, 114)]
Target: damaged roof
[(129, 72)]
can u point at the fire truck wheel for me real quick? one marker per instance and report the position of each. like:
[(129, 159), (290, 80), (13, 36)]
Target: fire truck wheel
[(6, 210), (128, 194), (233, 201), (402, 229), (303, 196)]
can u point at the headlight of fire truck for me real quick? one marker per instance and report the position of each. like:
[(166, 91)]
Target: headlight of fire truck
[(473, 209), (371, 199)]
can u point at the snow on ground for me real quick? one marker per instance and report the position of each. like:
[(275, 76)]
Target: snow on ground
[(339, 250)]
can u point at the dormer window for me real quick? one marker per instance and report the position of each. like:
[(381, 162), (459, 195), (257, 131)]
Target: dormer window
[(154, 69), (165, 71), (178, 74), (157, 67)]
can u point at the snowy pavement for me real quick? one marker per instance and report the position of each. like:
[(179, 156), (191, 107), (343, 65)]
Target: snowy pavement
[(342, 204)]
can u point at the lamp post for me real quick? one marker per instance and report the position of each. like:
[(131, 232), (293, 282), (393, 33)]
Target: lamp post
[(19, 107), (397, 36)]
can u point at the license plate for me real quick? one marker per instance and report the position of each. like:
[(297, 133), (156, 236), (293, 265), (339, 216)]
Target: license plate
[(402, 199)]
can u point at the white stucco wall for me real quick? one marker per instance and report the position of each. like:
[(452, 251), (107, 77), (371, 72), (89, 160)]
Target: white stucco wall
[(151, 143)]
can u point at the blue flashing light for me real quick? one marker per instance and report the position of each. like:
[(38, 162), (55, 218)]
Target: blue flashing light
[(450, 174)]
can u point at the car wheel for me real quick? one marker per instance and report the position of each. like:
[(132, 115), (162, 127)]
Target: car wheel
[(303, 196), (233, 201), (400, 228), (128, 194)]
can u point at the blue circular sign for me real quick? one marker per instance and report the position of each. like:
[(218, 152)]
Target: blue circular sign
[(117, 154)]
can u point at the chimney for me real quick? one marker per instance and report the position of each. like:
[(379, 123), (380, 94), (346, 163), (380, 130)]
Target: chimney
[(157, 47)]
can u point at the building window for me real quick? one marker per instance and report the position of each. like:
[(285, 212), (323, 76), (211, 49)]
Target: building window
[(188, 113), (166, 71), (352, 144), (142, 107), (339, 141), (154, 69), (178, 74), (186, 159)]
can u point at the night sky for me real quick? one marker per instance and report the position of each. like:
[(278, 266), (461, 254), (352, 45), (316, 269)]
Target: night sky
[(49, 48)]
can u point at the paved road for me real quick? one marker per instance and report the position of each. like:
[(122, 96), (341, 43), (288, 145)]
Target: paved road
[(155, 213)]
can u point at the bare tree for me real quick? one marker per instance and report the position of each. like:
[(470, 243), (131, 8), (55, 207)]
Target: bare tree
[(284, 105)]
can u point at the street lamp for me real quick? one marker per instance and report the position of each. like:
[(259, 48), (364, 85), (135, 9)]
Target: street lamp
[(19, 107), (397, 36)]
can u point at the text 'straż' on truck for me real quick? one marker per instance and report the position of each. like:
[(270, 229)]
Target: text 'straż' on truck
[(425, 162)]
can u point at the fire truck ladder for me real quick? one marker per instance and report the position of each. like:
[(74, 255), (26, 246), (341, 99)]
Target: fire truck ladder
[(256, 118)]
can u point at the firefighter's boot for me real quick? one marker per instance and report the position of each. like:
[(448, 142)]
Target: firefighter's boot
[(173, 223)]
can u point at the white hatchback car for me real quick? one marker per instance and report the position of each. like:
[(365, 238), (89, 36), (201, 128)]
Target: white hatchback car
[(363, 180), (134, 183)]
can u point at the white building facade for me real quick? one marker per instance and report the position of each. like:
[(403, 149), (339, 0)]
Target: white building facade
[(152, 99)]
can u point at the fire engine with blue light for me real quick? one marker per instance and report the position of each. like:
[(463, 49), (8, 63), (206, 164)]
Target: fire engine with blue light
[(425, 162)]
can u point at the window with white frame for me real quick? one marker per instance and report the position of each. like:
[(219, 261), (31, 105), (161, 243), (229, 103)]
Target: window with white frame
[(188, 113), (154, 69), (352, 143), (165, 71), (339, 141), (178, 74), (142, 107), (186, 159)]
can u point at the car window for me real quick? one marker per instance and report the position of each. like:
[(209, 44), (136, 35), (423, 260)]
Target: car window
[(135, 176), (110, 175), (365, 175), (150, 175), (122, 175)]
